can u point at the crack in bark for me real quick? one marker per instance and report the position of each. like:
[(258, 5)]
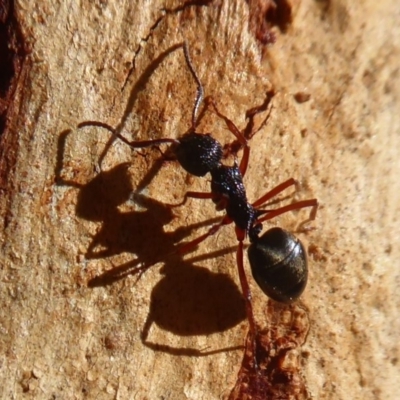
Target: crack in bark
[(164, 13)]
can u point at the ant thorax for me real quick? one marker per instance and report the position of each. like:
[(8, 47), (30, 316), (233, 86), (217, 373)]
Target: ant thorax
[(230, 193)]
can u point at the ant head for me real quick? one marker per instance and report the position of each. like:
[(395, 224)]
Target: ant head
[(198, 153)]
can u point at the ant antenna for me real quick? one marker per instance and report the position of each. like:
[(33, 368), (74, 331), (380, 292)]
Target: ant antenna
[(200, 89)]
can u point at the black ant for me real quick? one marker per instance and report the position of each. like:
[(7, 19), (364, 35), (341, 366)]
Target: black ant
[(277, 258)]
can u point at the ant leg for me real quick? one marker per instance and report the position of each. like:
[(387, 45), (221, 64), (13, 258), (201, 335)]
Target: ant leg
[(231, 126), (139, 144), (247, 134), (291, 207), (246, 294), (249, 131), (274, 192), (313, 203), (239, 136), (136, 144)]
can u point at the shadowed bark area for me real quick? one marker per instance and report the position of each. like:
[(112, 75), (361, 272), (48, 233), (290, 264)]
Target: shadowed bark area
[(81, 212)]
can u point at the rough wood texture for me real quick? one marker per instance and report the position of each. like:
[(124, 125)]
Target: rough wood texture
[(65, 222)]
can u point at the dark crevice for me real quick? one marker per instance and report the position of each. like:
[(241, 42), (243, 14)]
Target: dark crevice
[(265, 15), (13, 51), (12, 54), (164, 13), (281, 16)]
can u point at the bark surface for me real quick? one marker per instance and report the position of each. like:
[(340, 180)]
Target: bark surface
[(178, 332)]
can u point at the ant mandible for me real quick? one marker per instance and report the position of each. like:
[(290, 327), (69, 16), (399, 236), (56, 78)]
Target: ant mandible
[(277, 258)]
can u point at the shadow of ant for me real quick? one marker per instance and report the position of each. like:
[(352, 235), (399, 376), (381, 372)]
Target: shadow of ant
[(189, 300), (139, 86)]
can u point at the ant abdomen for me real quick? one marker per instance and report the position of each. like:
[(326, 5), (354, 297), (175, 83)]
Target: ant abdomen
[(198, 153), (278, 263)]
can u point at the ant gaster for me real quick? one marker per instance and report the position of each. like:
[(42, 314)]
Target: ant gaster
[(277, 258)]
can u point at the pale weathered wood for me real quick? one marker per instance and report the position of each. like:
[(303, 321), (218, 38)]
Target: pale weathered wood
[(115, 61)]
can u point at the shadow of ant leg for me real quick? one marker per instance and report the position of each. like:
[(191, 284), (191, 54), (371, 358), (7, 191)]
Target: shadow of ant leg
[(59, 179), (116, 274), (180, 351), (185, 351), (188, 351), (193, 195), (181, 248), (96, 241), (186, 247)]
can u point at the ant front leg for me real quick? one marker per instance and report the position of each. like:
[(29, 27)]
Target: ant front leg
[(239, 136), (135, 144), (249, 131), (140, 144)]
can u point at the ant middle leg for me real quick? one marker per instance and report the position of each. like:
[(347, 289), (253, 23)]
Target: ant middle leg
[(274, 192), (270, 214), (135, 144), (313, 203)]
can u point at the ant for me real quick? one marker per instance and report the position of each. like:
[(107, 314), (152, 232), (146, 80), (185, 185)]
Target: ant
[(277, 258)]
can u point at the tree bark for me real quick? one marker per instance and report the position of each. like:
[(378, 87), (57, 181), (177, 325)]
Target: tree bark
[(77, 204)]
